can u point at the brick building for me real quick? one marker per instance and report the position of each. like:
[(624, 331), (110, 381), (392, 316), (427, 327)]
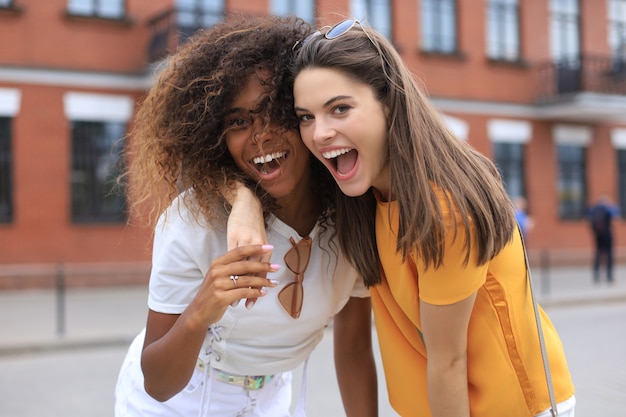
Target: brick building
[(537, 85)]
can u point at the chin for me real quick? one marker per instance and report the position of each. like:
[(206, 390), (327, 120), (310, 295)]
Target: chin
[(352, 191)]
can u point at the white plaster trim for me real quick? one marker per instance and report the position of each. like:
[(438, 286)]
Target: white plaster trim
[(97, 107), (618, 138), (572, 135), (10, 100), (459, 128), (509, 131), (76, 78)]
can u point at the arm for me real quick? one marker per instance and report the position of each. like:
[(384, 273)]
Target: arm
[(445, 330), (354, 358), (246, 225), (173, 341)]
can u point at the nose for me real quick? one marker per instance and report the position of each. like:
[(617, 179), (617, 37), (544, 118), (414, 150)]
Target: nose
[(323, 131), (261, 131)]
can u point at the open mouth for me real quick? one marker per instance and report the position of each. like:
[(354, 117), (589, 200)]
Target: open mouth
[(268, 163), (342, 160)]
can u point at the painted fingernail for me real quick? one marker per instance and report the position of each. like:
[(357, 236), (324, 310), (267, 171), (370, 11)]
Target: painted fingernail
[(275, 267), (267, 247), (250, 304), (274, 281), (234, 303)]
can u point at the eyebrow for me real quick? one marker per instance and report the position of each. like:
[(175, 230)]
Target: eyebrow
[(327, 103)]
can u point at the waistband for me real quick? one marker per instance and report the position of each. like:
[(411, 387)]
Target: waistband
[(249, 382)]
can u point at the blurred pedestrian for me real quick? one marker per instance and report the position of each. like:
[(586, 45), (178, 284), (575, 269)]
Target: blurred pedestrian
[(525, 222), (601, 217)]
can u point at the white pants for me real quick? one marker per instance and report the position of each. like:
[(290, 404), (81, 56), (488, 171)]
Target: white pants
[(565, 408), (203, 395)]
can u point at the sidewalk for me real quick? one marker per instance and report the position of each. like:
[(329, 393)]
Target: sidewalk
[(36, 320)]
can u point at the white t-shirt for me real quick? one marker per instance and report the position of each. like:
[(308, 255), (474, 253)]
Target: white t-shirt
[(265, 339)]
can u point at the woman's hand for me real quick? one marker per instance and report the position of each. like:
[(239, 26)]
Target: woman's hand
[(232, 277)]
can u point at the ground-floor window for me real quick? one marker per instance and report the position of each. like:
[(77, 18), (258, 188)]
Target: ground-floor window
[(97, 149), (6, 171), (572, 188)]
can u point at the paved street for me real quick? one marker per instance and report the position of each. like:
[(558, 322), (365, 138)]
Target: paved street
[(43, 373)]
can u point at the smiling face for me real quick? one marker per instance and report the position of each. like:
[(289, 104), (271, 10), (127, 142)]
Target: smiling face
[(344, 126), (275, 157)]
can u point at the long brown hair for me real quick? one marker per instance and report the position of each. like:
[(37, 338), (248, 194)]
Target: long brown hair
[(424, 157)]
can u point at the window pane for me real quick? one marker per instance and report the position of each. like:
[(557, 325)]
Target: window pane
[(509, 158), (6, 171), (439, 25), (96, 163), (571, 183), (101, 8), (375, 13), (192, 15), (617, 28), (304, 9), (111, 8), (503, 29), (565, 40)]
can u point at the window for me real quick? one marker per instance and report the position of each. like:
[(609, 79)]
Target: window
[(5, 4), (98, 124), (375, 13), (97, 150), (439, 26), (301, 8), (621, 180), (572, 187), (6, 171), (618, 140), (617, 32), (110, 9), (509, 158), (565, 43), (509, 138), (503, 30), (197, 14)]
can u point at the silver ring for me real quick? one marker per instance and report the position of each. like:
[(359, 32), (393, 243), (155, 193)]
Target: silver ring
[(234, 279)]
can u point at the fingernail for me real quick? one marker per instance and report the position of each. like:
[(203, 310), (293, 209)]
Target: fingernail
[(275, 267), (267, 247), (234, 303), (274, 281), (250, 304)]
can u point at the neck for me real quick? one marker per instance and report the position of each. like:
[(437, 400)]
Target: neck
[(300, 209)]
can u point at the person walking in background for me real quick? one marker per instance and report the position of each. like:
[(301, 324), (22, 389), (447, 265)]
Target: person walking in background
[(427, 222), (524, 221), (221, 112), (601, 216)]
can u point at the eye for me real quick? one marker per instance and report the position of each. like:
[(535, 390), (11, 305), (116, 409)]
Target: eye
[(341, 108), (303, 118), (237, 122)]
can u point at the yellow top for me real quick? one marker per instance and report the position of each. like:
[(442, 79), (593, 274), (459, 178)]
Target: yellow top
[(505, 370)]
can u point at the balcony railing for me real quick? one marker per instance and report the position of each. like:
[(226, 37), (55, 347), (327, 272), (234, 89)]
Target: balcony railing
[(589, 73), (173, 26)]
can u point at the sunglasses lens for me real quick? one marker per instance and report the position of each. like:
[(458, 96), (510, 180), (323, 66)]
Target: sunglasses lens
[(340, 28), (297, 258), (291, 297)]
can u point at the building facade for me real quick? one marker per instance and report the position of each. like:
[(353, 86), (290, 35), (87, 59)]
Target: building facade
[(537, 85)]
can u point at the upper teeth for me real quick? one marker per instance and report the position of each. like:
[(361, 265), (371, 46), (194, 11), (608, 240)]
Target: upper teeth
[(335, 153), (268, 158)]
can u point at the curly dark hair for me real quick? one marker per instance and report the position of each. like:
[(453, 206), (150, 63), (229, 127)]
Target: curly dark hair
[(177, 142)]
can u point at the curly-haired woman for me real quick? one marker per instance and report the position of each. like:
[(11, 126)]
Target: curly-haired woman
[(221, 114)]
